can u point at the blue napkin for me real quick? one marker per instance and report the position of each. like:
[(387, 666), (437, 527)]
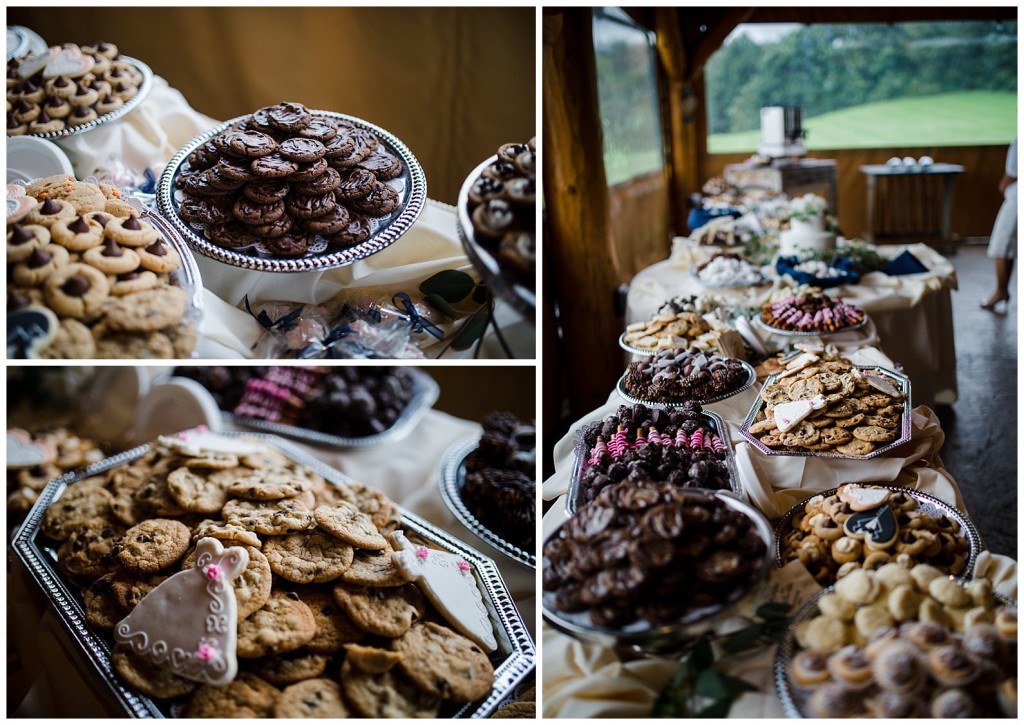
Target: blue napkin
[(905, 263), (787, 265), (700, 217)]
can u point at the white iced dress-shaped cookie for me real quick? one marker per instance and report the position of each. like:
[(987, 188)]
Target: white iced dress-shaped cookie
[(449, 583), (190, 622)]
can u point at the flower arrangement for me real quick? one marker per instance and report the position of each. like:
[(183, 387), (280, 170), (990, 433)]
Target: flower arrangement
[(807, 207)]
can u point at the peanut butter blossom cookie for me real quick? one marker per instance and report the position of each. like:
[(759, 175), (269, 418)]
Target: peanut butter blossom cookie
[(67, 86), (284, 180), (127, 536), (109, 276)]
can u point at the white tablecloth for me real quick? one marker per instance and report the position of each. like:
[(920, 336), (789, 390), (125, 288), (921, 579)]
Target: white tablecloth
[(585, 681), (151, 134), (911, 315)]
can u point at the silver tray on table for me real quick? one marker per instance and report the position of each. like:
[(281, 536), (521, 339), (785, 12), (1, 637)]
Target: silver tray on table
[(130, 105), (665, 639), (506, 285), (926, 503), (794, 699), (453, 476), (411, 186), (620, 388), (574, 496), (514, 659), (425, 393), (902, 382)]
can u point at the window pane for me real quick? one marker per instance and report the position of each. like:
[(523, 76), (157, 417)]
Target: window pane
[(628, 95), (867, 85)]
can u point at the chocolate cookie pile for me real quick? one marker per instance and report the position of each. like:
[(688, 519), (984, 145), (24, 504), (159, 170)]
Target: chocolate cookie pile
[(340, 401), (321, 593), (674, 446), (81, 251), (650, 551), (676, 376), (500, 487), (503, 207), (811, 313), (283, 178), (67, 86)]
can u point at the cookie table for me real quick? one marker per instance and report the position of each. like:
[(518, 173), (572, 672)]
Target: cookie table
[(585, 680), (61, 681), (149, 136), (912, 314)]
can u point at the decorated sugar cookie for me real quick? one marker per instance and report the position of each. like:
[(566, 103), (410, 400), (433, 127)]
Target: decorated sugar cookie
[(189, 623), (863, 498), (788, 415), (449, 583), (878, 383), (23, 452), (200, 440), (877, 527), (798, 363)]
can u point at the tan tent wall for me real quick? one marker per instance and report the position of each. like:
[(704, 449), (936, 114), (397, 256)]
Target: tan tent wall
[(453, 83), (976, 198)]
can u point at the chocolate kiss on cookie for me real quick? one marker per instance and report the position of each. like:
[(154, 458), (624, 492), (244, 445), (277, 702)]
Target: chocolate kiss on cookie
[(862, 498), (876, 526)]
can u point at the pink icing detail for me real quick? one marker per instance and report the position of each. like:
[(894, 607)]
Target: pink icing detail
[(717, 445), (206, 653), (680, 439), (212, 572), (423, 552), (697, 439), (619, 443), (599, 452), (183, 434), (641, 439), (654, 437), (464, 566), (203, 429)]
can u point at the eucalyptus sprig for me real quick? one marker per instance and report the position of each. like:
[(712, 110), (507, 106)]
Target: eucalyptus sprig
[(699, 687)]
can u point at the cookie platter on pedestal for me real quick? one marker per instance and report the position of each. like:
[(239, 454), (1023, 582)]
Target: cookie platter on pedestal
[(432, 563), (287, 189), (497, 223)]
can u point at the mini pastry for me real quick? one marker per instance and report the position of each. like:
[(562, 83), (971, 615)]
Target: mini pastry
[(859, 587), (81, 115), (823, 634), (931, 611), (61, 87), (903, 603), (57, 107), (78, 234), (836, 700), (982, 642), (923, 574), (810, 668), (953, 704), (851, 667), (951, 666), (897, 667), (949, 592), (30, 92), (131, 232), (834, 606), (111, 258), (108, 103), (926, 636), (825, 528), (76, 290), (135, 281), (879, 639), (23, 239), (25, 112), (892, 575), (870, 619), (39, 265), (892, 705), (45, 124), (158, 257)]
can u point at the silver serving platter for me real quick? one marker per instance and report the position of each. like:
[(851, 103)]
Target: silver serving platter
[(906, 421), (826, 333), (411, 186), (620, 388), (664, 639), (514, 659), (451, 480), (926, 503), (574, 496), (130, 105), (426, 391), (506, 285), (635, 350), (794, 698)]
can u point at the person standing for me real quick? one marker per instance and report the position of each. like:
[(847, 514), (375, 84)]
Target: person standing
[(1002, 245)]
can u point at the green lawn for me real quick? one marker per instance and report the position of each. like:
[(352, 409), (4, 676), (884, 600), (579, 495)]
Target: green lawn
[(950, 119)]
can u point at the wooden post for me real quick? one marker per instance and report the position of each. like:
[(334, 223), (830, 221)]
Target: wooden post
[(584, 274)]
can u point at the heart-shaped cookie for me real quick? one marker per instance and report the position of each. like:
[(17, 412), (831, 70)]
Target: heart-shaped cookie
[(32, 64), (23, 452), (29, 329), (70, 62), (876, 526)]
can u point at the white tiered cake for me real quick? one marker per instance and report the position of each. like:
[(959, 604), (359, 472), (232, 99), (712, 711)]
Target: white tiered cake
[(806, 231)]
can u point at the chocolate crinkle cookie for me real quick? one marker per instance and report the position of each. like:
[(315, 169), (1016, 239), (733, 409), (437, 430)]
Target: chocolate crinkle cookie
[(647, 551)]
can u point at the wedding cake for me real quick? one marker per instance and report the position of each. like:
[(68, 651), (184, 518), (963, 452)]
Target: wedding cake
[(806, 231)]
